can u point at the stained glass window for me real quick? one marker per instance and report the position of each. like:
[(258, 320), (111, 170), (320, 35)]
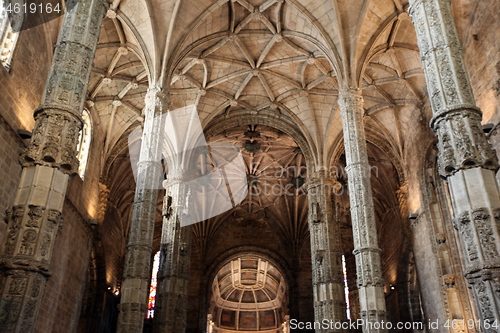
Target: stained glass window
[(152, 288), (346, 289), (84, 143)]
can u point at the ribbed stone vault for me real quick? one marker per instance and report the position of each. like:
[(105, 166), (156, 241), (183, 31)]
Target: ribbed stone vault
[(280, 61), (329, 105), (260, 57), (276, 172)]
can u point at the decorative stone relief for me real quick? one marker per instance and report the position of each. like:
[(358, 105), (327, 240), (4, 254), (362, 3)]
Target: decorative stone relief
[(464, 226), (462, 145), (482, 226), (449, 280), (137, 263), (54, 141), (366, 250), (447, 80), (482, 292), (32, 229), (103, 202), (457, 120), (13, 219), (482, 221)]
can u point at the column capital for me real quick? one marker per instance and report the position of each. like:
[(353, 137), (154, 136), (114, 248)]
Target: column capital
[(465, 157), (54, 141), (457, 120), (156, 99), (462, 144), (350, 98), (321, 180)]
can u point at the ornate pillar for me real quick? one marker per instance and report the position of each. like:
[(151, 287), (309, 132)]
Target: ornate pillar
[(326, 252), (137, 270), (466, 159), (175, 255), (366, 250), (47, 162)]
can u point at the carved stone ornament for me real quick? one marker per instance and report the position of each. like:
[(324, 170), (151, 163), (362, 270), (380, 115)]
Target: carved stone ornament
[(457, 120), (449, 280), (462, 143), (478, 222), (103, 202), (366, 250), (54, 141), (13, 219), (483, 225), (31, 231)]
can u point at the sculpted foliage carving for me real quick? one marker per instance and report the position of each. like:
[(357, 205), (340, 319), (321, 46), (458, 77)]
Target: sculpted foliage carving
[(54, 141), (462, 144)]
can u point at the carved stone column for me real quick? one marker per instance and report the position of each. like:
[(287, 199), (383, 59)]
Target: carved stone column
[(366, 250), (326, 252), (137, 270), (466, 159), (175, 259), (47, 162)]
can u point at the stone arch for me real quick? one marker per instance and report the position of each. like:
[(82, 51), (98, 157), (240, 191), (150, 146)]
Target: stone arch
[(283, 124), (221, 260), (435, 215)]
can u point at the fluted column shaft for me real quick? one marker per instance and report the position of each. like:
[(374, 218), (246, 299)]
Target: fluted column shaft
[(326, 253), (366, 250), (137, 270), (465, 159), (173, 273), (47, 162)]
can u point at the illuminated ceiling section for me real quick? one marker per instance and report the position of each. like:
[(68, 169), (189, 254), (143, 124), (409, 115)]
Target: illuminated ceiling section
[(248, 294)]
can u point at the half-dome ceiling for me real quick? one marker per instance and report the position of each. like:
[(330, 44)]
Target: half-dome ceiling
[(248, 294)]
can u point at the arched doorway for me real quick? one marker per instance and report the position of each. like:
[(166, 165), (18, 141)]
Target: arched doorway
[(248, 294)]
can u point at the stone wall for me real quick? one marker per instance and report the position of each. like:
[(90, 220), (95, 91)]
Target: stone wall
[(233, 236), (479, 30), (21, 91), (432, 232), (64, 291), (10, 170)]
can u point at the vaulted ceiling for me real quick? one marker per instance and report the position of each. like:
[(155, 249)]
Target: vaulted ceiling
[(274, 67), (285, 59)]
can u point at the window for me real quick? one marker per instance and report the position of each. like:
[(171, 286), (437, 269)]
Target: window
[(10, 25), (346, 289), (84, 143), (152, 288)]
